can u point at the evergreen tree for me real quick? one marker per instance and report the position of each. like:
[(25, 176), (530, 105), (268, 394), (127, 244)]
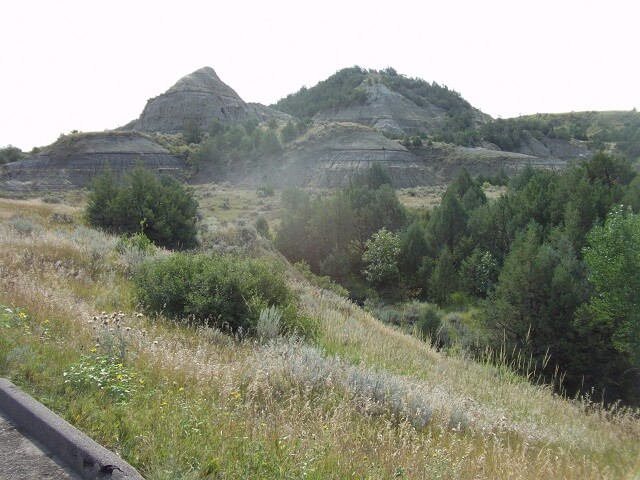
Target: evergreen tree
[(448, 223), (139, 202), (443, 280)]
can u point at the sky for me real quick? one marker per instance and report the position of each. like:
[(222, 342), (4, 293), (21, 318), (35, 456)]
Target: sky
[(91, 66)]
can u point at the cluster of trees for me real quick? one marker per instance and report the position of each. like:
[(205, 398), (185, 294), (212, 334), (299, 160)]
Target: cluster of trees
[(223, 144), (10, 154), (549, 263), (598, 128), (330, 232), (339, 90), (423, 93), (343, 89)]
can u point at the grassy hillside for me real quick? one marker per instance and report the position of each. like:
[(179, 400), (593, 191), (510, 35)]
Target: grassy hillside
[(362, 400)]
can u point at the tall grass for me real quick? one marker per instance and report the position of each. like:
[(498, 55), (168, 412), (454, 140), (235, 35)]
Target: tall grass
[(363, 400)]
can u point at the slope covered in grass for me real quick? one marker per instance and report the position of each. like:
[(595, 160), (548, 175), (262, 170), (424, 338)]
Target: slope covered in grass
[(361, 400)]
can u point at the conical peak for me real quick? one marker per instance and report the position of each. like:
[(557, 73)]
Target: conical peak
[(204, 80)]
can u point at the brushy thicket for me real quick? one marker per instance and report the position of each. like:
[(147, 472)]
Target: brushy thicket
[(223, 291), (139, 202)]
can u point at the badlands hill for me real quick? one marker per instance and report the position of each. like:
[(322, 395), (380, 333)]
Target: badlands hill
[(73, 160), (199, 99), (421, 132)]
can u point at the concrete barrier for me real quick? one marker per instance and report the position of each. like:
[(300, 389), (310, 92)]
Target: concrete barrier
[(79, 453)]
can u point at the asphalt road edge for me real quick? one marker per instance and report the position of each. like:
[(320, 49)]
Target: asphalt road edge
[(77, 451)]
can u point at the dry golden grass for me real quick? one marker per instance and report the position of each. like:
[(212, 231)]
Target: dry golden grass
[(350, 405)]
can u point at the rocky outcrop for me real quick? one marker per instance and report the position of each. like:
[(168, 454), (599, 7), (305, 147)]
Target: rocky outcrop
[(330, 154), (199, 99), (391, 113), (551, 148), (74, 160), (442, 162), (388, 112), (265, 114)]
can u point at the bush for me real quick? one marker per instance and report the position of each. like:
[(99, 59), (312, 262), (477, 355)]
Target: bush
[(221, 291), (262, 227), (139, 202), (266, 191), (10, 154), (429, 323)]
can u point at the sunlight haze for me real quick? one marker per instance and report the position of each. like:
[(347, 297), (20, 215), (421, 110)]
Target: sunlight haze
[(92, 66)]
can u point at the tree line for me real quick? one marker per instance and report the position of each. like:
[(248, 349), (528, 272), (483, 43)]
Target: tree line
[(551, 265)]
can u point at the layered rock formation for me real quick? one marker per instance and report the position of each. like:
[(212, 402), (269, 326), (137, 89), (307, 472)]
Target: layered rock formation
[(330, 154), (388, 112), (199, 99), (553, 148), (75, 159), (341, 141)]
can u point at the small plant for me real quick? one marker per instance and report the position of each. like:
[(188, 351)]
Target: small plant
[(61, 218), (160, 207), (266, 191), (262, 227), (23, 226), (102, 372), (51, 198), (138, 241), (268, 326)]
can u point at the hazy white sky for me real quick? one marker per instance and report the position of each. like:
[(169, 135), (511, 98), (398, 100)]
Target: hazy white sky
[(90, 66)]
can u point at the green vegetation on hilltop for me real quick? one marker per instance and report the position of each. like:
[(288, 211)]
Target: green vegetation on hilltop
[(339, 90), (421, 92), (345, 89), (597, 128), (10, 154)]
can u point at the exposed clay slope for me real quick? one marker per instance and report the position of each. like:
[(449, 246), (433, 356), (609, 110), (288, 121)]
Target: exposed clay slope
[(388, 112), (551, 148), (330, 154), (199, 99), (73, 160)]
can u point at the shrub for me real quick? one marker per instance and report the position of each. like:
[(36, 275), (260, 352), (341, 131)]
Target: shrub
[(217, 291), (160, 208), (10, 154), (262, 227), (23, 225), (266, 191), (429, 323), (51, 198), (268, 326)]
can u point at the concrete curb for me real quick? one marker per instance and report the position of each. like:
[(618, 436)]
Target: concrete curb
[(83, 456)]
